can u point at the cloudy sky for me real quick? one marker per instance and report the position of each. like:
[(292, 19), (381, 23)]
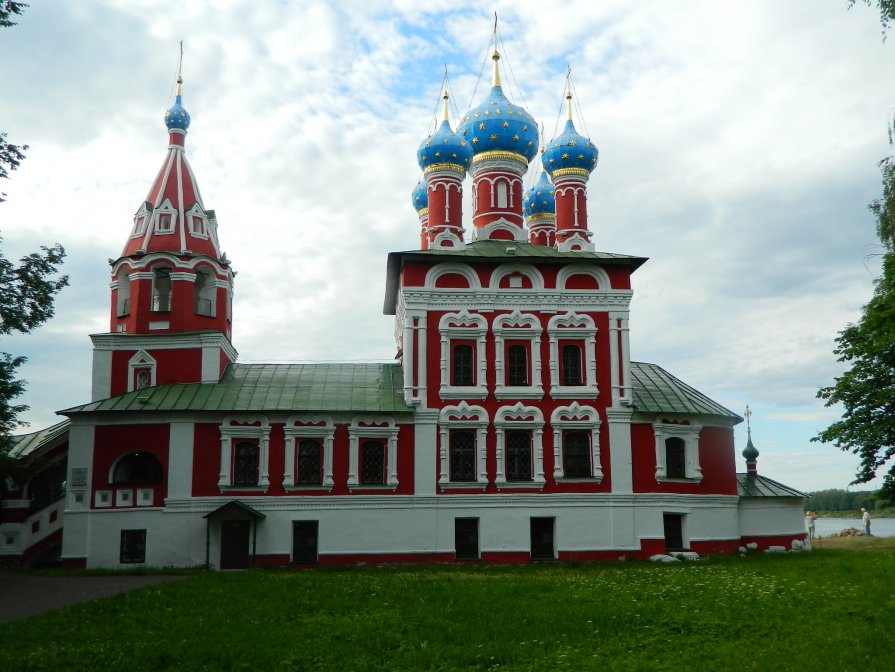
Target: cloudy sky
[(738, 144)]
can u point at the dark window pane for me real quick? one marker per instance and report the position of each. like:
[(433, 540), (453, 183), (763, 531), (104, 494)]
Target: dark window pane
[(138, 468), (245, 464), (372, 470), (464, 372), (462, 456), (309, 463), (571, 365), (674, 458), (576, 455), (518, 456), (47, 486), (304, 541), (466, 538), (133, 546), (517, 365)]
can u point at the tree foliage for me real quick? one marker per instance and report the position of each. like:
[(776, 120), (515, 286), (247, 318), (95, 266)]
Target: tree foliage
[(886, 12), (9, 8), (836, 499), (10, 155)]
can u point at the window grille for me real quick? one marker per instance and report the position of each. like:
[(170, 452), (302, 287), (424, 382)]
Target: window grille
[(518, 456), (464, 373), (517, 365), (372, 463), (571, 365), (576, 455), (309, 463), (245, 464), (462, 456)]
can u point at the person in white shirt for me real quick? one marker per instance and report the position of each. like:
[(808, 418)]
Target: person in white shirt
[(865, 518)]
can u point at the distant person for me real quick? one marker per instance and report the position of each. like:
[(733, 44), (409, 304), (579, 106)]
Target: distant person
[(810, 517), (865, 518)]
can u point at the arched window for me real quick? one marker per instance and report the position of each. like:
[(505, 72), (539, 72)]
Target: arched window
[(161, 289), (204, 293), (463, 367), (675, 464), (124, 293), (245, 464), (576, 455), (310, 462), (518, 456), (372, 470), (502, 200), (138, 468), (571, 365), (517, 365)]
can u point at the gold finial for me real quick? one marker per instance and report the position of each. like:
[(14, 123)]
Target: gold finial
[(569, 90), (179, 91), (445, 105), (495, 80), (179, 68)]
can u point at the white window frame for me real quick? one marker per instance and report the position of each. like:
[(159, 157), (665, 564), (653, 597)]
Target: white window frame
[(141, 221), (463, 326), (193, 214), (576, 417), (234, 428), (363, 428), (140, 360), (573, 327), (667, 428), (164, 209), (525, 418), (463, 416), (297, 429), (517, 326)]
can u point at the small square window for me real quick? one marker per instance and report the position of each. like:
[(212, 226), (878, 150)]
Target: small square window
[(133, 546), (164, 223), (197, 226), (515, 281)]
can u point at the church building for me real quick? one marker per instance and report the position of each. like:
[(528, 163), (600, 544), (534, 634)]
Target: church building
[(512, 426)]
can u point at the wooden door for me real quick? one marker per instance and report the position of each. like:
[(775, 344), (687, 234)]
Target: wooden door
[(234, 544)]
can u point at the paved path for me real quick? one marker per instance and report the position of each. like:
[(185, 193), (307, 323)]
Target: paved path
[(24, 593)]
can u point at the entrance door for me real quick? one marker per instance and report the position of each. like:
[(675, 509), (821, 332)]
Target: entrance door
[(304, 541), (542, 539), (234, 544), (674, 531), (466, 538)]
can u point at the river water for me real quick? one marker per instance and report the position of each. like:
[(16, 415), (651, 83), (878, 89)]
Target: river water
[(880, 527)]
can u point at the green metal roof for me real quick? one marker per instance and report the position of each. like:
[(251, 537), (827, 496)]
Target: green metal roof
[(28, 444), (356, 387), (753, 485), (500, 251), (657, 391)]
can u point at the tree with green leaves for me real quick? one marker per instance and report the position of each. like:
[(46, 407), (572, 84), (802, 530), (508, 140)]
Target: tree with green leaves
[(867, 389), (27, 293), (886, 12)]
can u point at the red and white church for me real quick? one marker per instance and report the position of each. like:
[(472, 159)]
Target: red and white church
[(512, 427)]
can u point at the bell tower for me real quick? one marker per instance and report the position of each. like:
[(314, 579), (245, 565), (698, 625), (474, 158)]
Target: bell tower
[(172, 287)]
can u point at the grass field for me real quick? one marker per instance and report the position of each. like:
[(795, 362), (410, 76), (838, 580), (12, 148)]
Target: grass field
[(833, 609)]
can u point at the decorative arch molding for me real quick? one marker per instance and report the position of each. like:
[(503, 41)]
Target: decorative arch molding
[(484, 232), (463, 325), (578, 241), (518, 326), (130, 455), (303, 426), (665, 428), (526, 418), (449, 239), (597, 273), (369, 427), (529, 271), (143, 263), (141, 371), (463, 416), (578, 328), (252, 427), (452, 268), (576, 417)]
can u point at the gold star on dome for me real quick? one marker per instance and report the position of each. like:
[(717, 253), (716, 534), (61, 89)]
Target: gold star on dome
[(506, 124), (581, 157), (454, 155), (572, 143), (544, 202), (515, 138), (476, 115), (551, 161), (487, 113), (475, 141), (493, 137), (529, 143), (437, 155), (537, 193), (524, 128), (565, 156), (425, 158), (595, 160), (550, 192), (482, 126), (428, 143), (463, 142), (497, 111)]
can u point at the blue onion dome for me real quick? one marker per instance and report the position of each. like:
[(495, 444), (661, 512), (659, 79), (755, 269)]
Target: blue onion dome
[(499, 126), (570, 149), (420, 196), (177, 117), (444, 148), (539, 199)]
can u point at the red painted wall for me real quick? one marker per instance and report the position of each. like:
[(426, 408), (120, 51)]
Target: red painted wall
[(115, 441)]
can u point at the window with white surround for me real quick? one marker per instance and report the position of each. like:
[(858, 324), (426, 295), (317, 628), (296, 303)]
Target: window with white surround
[(517, 341), (161, 289), (309, 452), (373, 453), (141, 371), (573, 360), (677, 450), (520, 447), (198, 224), (165, 217), (245, 447), (462, 432), (467, 330), (123, 285), (576, 443), (133, 546)]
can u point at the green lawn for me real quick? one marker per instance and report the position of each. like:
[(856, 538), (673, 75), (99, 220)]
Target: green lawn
[(833, 609)]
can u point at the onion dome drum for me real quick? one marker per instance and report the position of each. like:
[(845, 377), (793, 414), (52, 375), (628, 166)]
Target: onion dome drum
[(570, 149), (420, 196), (444, 149), (539, 199)]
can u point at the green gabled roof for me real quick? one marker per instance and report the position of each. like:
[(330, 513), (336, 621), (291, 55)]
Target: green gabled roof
[(34, 442), (753, 485), (657, 391), (353, 387)]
